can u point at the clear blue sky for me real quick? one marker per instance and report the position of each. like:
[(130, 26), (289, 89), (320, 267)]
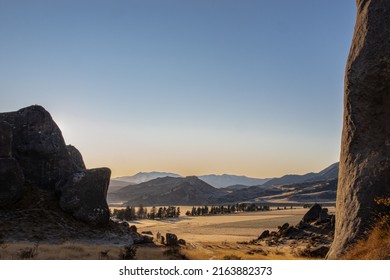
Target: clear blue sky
[(247, 87)]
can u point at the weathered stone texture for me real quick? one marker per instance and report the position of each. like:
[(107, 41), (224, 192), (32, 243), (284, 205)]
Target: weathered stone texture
[(11, 182), (41, 158), (365, 150), (84, 196), (39, 147), (5, 140)]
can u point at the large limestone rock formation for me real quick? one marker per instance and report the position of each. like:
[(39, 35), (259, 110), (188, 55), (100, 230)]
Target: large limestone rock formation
[(84, 195), (32, 149), (11, 176), (365, 152), (39, 147)]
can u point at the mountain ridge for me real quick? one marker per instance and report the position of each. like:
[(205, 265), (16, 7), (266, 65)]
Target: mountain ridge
[(329, 172), (167, 191)]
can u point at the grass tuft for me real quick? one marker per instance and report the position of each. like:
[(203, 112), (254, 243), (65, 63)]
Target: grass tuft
[(128, 253)]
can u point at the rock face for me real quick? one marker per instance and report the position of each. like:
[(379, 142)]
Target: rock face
[(365, 150), (32, 149), (76, 157), (84, 196), (11, 182), (39, 147), (11, 176), (5, 140)]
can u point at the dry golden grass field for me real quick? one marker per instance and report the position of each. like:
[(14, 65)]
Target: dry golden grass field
[(207, 237)]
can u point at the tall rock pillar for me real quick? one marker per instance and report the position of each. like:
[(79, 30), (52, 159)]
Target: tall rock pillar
[(365, 149)]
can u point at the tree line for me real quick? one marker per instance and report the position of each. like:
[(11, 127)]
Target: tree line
[(136, 213), (131, 213), (226, 209)]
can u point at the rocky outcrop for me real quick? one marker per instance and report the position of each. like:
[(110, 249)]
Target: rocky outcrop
[(306, 239), (11, 182), (11, 176), (84, 196), (365, 149), (76, 157), (5, 140), (39, 147), (32, 149)]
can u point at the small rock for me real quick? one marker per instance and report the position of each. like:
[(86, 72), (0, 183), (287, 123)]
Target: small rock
[(147, 232), (313, 214), (142, 239), (264, 234), (133, 228), (181, 242), (171, 239), (147, 239), (283, 227)]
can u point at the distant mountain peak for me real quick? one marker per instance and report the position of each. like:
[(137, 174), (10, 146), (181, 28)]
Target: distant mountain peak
[(141, 177)]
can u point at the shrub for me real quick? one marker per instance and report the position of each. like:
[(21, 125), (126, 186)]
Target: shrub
[(28, 253), (128, 252)]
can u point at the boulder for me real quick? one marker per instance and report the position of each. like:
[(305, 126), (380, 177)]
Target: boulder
[(133, 229), (264, 234), (290, 232), (181, 242), (142, 239), (11, 182), (147, 239), (313, 213), (39, 147), (171, 239), (5, 140), (365, 146), (84, 196), (323, 217), (41, 159), (283, 227)]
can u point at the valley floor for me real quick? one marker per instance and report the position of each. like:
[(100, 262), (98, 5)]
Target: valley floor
[(231, 236), (207, 237), (222, 228)]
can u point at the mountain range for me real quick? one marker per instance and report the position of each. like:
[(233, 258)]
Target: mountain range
[(167, 190), (217, 181), (330, 172)]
